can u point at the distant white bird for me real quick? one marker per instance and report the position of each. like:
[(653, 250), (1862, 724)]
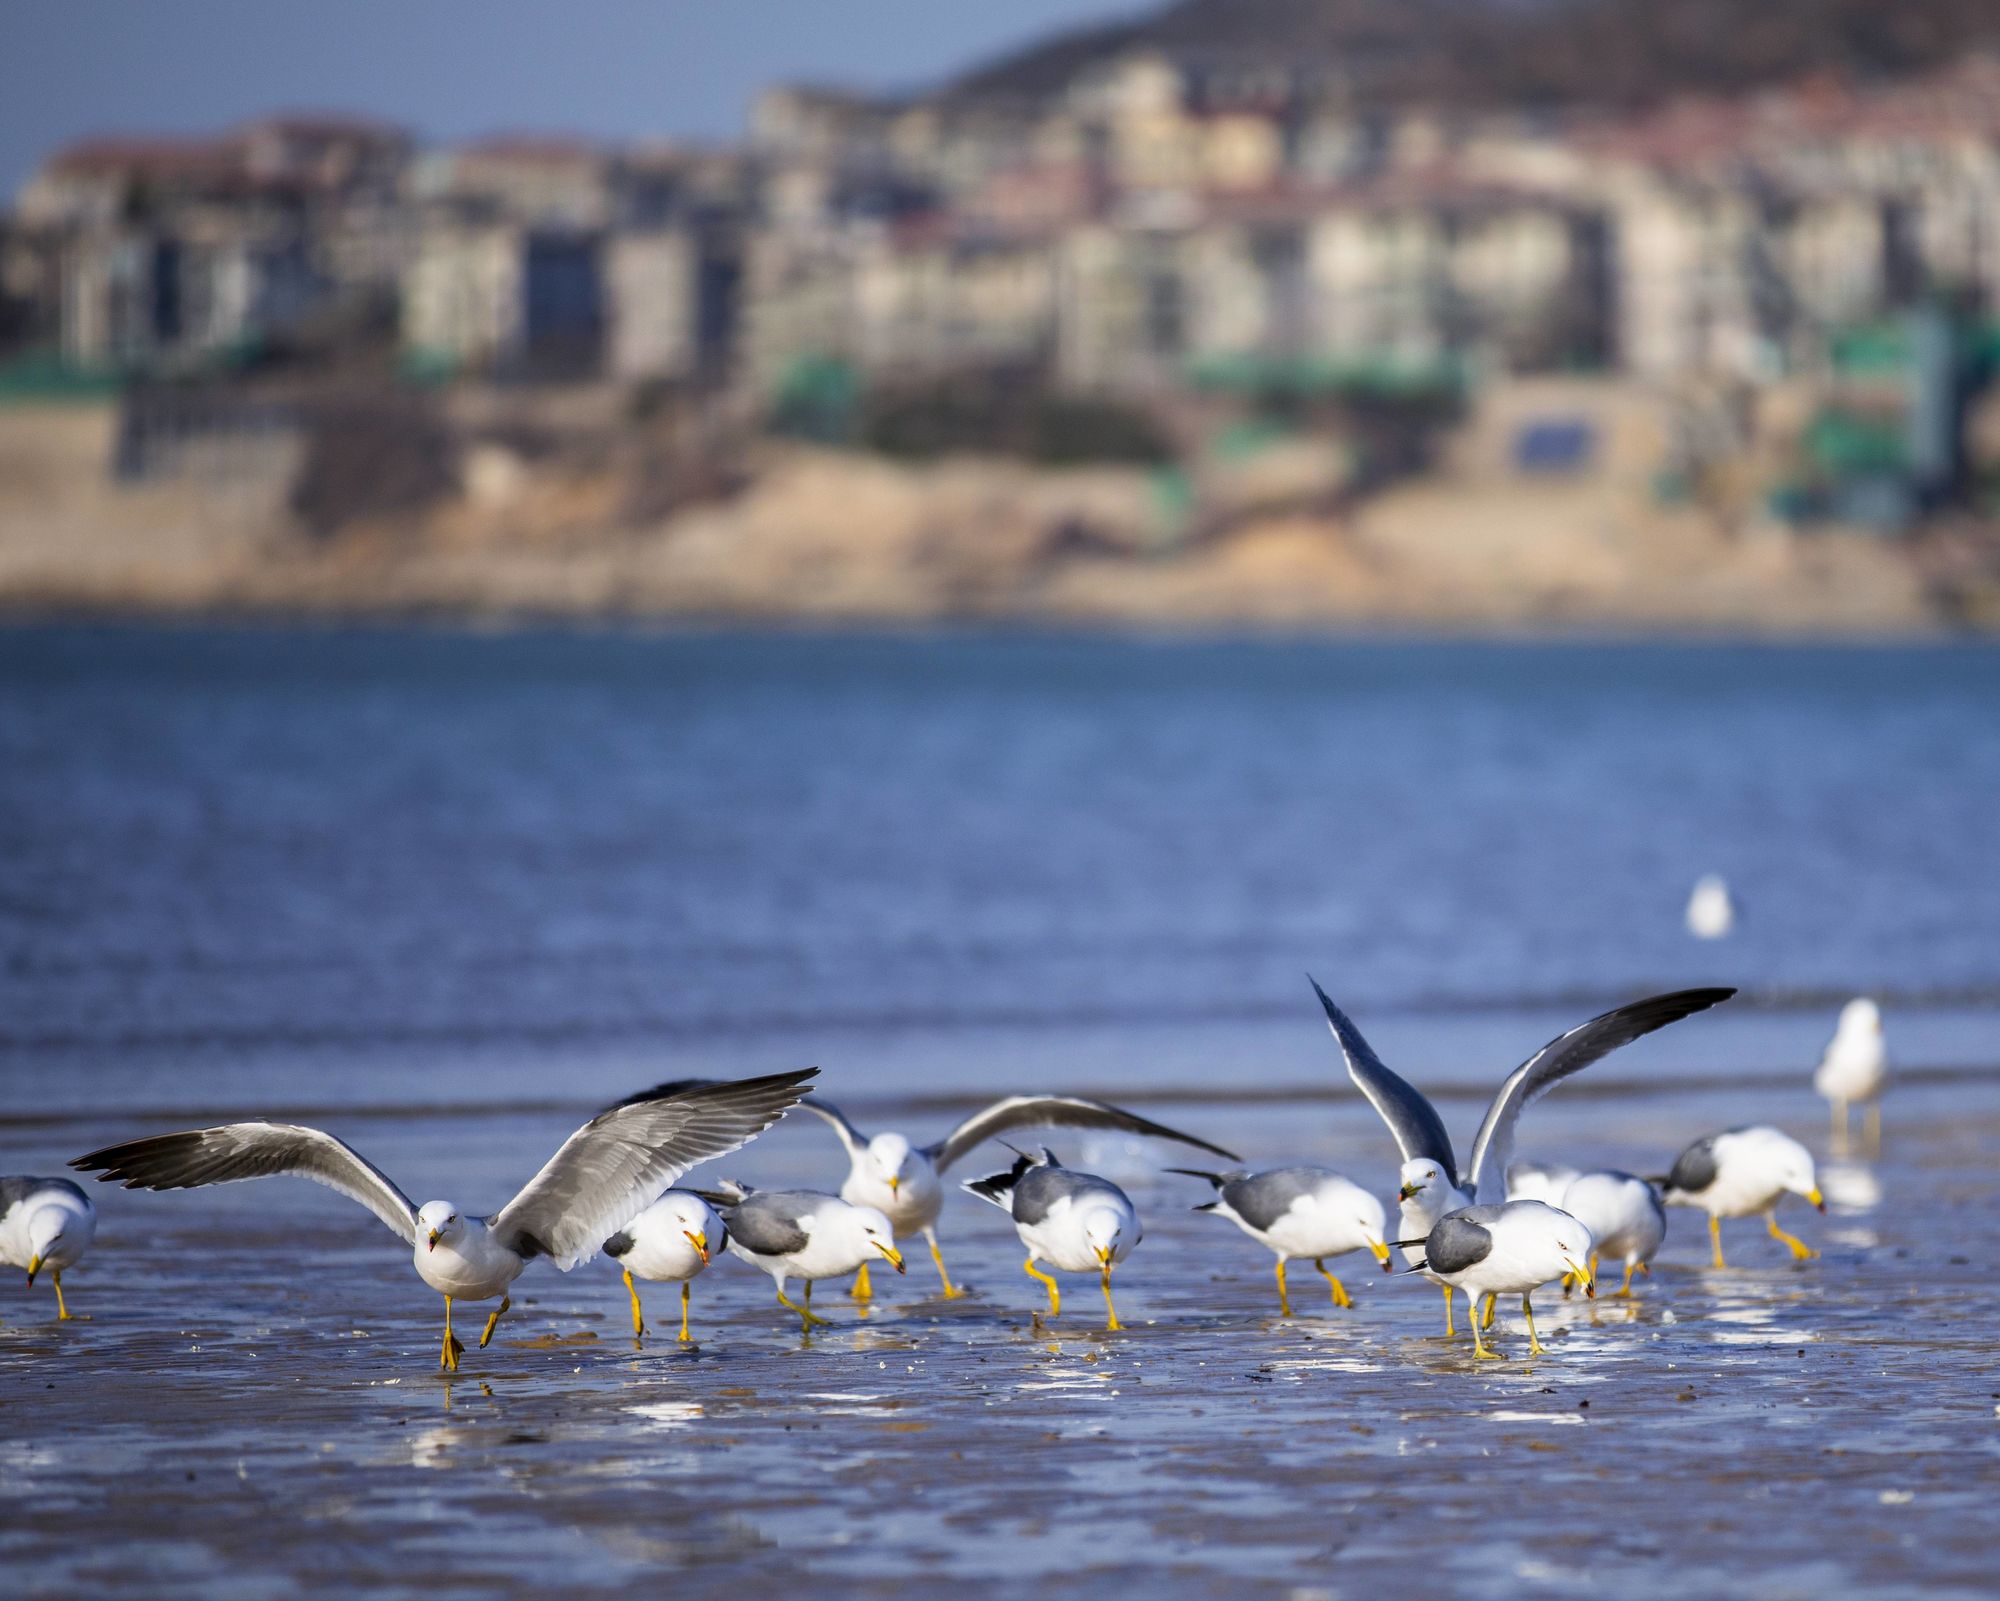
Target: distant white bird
[(1076, 1222), (803, 1234), (1855, 1068), (45, 1223), (1507, 1250), (1431, 1184), (1740, 1173), (1300, 1212), (901, 1180), (604, 1175), (672, 1241), (1711, 914), (1624, 1216), (1536, 1181)]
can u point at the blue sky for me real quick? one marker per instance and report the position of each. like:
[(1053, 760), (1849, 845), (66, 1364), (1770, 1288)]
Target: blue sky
[(452, 68)]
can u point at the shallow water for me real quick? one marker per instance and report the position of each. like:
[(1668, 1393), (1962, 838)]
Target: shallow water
[(451, 893)]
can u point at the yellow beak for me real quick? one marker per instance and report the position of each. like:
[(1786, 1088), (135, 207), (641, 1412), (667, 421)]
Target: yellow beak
[(699, 1242), (1409, 1190), (434, 1238), (1817, 1199), (895, 1256), (1103, 1256), (1381, 1254), (1585, 1277), (34, 1267), (895, 1184)]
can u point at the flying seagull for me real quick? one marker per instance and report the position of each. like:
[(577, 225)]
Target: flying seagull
[(45, 1223), (1432, 1184), (604, 1175), (900, 1180)]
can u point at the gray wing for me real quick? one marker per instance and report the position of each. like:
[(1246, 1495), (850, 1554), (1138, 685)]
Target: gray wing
[(1418, 1130), (1571, 1053), (1457, 1240), (1694, 1169), (1037, 1193), (850, 1136), (1260, 1199), (617, 1164), (253, 1151), (767, 1222), (1052, 1111)]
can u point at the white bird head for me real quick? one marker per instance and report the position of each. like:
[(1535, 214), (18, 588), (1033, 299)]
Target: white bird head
[(1104, 1230), (698, 1224), (1797, 1173), (45, 1227), (1860, 1016), (876, 1234), (1422, 1175), (438, 1223), (887, 1155)]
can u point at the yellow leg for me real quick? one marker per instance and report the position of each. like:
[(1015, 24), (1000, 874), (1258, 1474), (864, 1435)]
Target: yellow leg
[(638, 1316), (1480, 1348), (1874, 1128), (1055, 1294), (808, 1319), (1534, 1342), (452, 1349), (1450, 1331), (1840, 1125), (1108, 1307), (62, 1307), (686, 1296), (1340, 1296), (863, 1289), (1284, 1295), (486, 1335), (1801, 1252), (1626, 1287), (951, 1291), (1492, 1302), (1715, 1238)]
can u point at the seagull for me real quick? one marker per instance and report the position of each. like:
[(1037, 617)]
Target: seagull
[(1534, 1181), (802, 1234), (671, 1241), (1711, 914), (900, 1180), (45, 1223), (1431, 1184), (1855, 1068), (604, 1175), (1624, 1216), (1310, 1212), (1741, 1172), (1503, 1250), (1076, 1222)]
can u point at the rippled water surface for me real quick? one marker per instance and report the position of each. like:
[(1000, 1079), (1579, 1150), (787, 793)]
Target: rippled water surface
[(449, 893)]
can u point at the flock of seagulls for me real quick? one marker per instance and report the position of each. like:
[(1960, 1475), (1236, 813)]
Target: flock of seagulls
[(610, 1190)]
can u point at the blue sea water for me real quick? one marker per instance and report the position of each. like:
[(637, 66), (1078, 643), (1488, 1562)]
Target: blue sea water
[(244, 867)]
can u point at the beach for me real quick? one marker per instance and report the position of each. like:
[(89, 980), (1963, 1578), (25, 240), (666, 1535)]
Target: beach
[(448, 894)]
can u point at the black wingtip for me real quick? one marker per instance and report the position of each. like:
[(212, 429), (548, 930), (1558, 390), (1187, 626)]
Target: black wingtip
[(1196, 1173)]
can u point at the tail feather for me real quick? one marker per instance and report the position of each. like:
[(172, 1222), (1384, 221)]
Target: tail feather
[(999, 1187)]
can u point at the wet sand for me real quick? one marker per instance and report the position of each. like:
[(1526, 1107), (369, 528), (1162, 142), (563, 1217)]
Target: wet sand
[(221, 1424)]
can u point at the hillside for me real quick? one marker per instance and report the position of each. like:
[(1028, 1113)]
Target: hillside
[(1582, 54)]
